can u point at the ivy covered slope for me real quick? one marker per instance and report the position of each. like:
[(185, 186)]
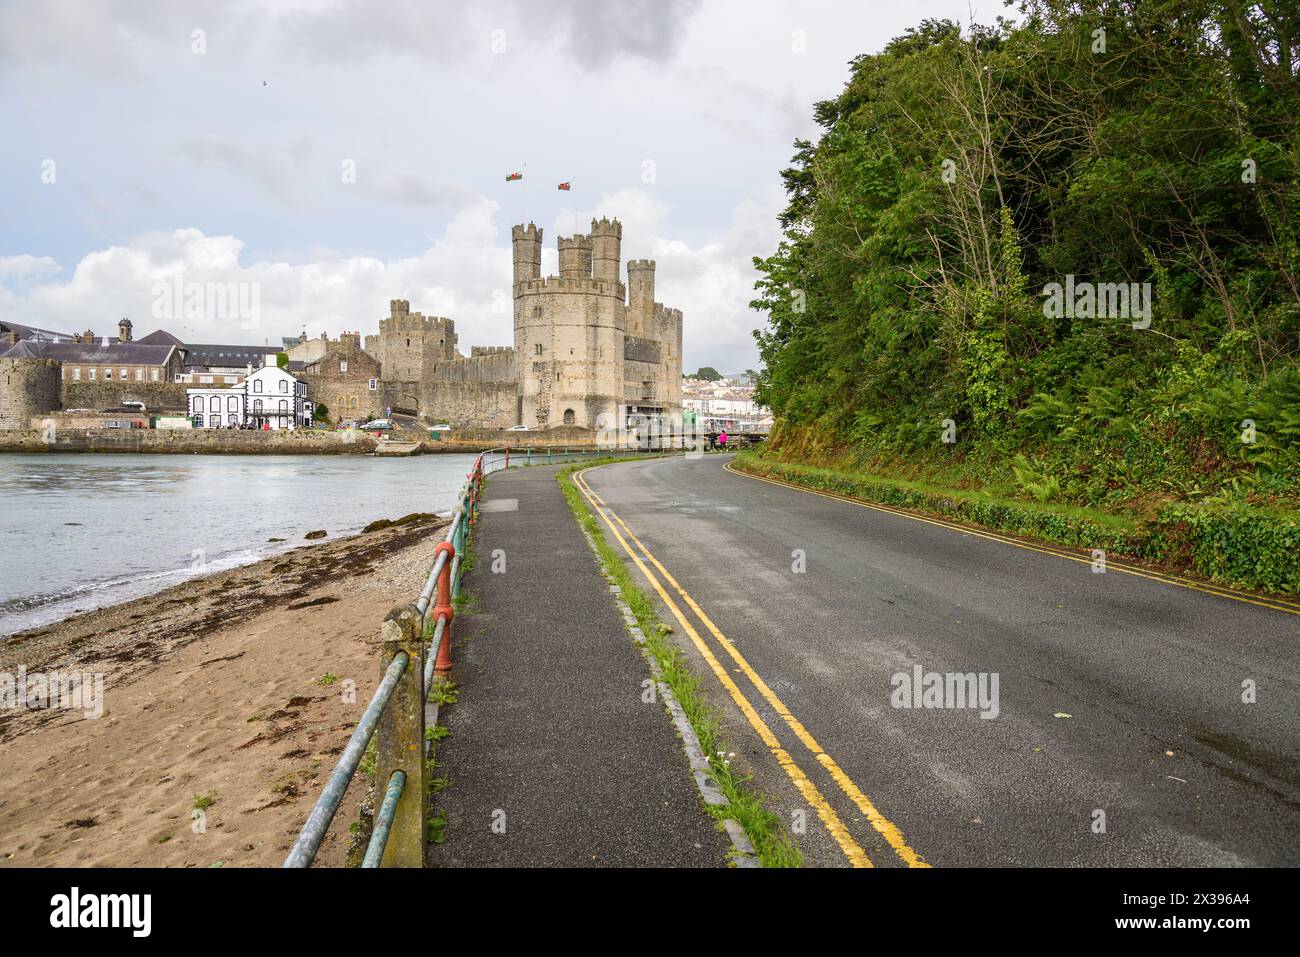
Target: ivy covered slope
[(913, 331)]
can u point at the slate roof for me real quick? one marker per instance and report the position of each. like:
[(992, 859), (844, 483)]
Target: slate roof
[(228, 357), (160, 337), (96, 353), (27, 332)]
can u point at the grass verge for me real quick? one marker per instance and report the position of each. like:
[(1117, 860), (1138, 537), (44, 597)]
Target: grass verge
[(1252, 548), (744, 805)]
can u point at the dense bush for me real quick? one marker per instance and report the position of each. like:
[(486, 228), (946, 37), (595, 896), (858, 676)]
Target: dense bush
[(959, 175)]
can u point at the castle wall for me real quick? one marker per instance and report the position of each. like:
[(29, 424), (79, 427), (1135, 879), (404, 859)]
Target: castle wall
[(113, 395), (480, 391), (28, 387)]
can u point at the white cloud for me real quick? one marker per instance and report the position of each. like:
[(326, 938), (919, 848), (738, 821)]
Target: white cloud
[(24, 267)]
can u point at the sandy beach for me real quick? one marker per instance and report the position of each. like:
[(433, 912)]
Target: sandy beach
[(226, 693)]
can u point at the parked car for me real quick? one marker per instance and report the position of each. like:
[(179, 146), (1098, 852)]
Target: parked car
[(517, 428), (377, 425), (440, 427)]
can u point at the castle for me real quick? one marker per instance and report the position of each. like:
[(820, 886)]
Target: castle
[(590, 351), (588, 348), (586, 345)]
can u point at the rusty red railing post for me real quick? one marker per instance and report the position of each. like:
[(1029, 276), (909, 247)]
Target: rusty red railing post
[(443, 611)]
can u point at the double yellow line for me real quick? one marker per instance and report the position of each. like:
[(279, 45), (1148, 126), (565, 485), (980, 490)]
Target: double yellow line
[(1219, 591), (854, 851)]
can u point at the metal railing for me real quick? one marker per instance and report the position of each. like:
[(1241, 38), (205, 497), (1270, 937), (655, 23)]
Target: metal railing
[(409, 665), (395, 716)]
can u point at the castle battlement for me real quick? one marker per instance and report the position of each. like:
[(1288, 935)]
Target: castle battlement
[(579, 284)]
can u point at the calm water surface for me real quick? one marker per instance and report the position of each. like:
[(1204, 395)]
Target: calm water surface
[(83, 531)]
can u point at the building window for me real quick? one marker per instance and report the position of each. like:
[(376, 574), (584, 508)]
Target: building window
[(284, 405), (568, 417), (215, 403), (139, 375), (232, 404), (257, 385), (234, 419), (153, 375), (108, 375), (374, 385), (198, 421), (284, 385), (93, 373), (76, 373), (343, 366), (126, 374), (538, 349), (205, 379), (257, 407), (179, 378)]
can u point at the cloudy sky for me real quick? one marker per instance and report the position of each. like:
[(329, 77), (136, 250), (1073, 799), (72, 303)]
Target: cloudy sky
[(336, 154)]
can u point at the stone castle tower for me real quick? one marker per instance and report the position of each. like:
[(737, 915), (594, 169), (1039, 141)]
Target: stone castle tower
[(407, 340), (28, 388), (590, 350)]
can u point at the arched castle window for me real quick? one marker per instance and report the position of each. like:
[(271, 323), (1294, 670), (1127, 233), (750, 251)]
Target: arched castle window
[(568, 417)]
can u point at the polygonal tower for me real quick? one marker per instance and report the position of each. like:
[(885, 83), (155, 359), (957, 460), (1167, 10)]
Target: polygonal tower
[(606, 249), (640, 297), (527, 252)]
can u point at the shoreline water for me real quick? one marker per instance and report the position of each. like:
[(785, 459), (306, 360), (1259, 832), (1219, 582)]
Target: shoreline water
[(82, 533)]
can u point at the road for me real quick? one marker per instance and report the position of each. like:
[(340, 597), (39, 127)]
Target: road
[(1121, 737)]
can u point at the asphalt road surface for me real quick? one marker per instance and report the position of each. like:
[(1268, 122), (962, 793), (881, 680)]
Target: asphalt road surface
[(1121, 737)]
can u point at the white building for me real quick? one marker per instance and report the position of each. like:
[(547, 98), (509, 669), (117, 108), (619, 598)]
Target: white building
[(267, 398)]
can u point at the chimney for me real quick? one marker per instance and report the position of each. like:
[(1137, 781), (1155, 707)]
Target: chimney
[(13, 337), (88, 337)]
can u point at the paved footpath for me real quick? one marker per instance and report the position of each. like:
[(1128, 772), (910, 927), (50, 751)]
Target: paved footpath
[(550, 732)]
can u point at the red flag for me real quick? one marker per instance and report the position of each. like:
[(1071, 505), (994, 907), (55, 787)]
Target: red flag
[(563, 186), (514, 176)]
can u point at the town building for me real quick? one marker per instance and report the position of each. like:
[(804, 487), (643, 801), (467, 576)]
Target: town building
[(215, 364), (346, 380), (87, 359), (268, 397)]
